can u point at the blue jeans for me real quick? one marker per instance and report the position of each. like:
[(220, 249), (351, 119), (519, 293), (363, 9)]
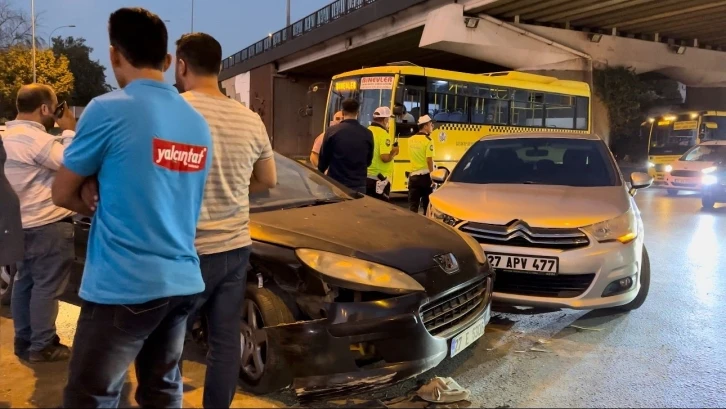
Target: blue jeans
[(41, 278), (110, 337), (225, 278)]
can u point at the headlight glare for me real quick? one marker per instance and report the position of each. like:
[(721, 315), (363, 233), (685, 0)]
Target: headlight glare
[(651, 164), (709, 170), (668, 168), (709, 180), (357, 274), (623, 228)]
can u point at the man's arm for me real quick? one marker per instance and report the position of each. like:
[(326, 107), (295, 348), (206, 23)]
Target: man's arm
[(315, 152), (369, 157), (430, 156), (314, 159), (387, 150), (326, 152), (265, 173), (66, 191)]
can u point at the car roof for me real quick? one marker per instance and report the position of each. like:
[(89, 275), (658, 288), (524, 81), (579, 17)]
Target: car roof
[(713, 143), (549, 135)]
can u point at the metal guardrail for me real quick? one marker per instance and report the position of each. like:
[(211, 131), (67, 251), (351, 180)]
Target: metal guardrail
[(325, 15)]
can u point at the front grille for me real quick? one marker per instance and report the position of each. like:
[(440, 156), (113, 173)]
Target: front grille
[(520, 235), (686, 173), (559, 286), (443, 317)]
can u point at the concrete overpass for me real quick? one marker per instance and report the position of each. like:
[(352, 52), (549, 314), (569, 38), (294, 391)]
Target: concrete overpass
[(564, 38)]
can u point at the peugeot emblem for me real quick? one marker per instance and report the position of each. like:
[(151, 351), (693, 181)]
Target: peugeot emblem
[(448, 263)]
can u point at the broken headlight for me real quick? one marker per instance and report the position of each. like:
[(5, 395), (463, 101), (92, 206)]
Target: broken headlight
[(357, 274)]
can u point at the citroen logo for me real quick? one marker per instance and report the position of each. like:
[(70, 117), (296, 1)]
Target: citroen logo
[(517, 225), (448, 263)]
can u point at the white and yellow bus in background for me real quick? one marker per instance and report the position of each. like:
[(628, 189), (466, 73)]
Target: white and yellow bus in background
[(464, 107), (671, 135)]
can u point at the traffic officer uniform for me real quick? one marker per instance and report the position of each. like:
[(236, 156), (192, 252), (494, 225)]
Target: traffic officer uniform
[(382, 145), (420, 148)]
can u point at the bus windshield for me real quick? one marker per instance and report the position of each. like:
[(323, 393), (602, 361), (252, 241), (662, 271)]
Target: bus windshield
[(665, 140), (719, 133), (371, 91)]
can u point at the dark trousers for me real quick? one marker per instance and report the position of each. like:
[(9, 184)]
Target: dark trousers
[(110, 337), (41, 278), (419, 189), (371, 190), (225, 278)]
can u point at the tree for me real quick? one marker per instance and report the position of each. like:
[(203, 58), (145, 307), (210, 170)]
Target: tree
[(15, 27), (89, 76), (627, 98), (16, 69)]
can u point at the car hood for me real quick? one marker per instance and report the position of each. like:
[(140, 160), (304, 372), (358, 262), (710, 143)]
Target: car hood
[(691, 165), (364, 228), (543, 206)]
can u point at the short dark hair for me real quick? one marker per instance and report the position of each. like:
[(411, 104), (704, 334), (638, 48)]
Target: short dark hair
[(201, 52), (350, 106), (140, 36), (32, 97)]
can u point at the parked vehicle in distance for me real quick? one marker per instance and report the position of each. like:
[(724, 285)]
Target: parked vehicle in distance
[(556, 219), (344, 293), (686, 172)]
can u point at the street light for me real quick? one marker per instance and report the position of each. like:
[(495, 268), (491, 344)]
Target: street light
[(32, 22), (192, 16), (50, 37)]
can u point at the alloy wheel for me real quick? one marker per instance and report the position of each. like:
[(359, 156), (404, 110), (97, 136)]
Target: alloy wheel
[(253, 348)]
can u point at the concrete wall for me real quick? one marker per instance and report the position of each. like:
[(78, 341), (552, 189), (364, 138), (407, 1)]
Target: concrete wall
[(701, 99), (238, 88), (294, 130), (261, 96)]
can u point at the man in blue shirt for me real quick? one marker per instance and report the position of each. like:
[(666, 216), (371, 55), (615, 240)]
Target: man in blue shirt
[(150, 152)]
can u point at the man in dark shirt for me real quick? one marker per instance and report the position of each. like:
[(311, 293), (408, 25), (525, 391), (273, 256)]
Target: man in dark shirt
[(347, 149)]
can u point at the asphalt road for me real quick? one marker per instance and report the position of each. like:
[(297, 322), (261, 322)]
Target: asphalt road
[(669, 353)]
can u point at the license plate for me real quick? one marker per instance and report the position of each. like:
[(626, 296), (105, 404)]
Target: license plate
[(684, 181), (470, 335), (527, 264)]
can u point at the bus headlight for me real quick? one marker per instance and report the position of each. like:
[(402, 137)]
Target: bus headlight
[(709, 180), (651, 165), (623, 228), (668, 168)]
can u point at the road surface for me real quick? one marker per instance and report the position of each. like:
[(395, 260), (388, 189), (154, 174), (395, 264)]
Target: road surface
[(669, 353)]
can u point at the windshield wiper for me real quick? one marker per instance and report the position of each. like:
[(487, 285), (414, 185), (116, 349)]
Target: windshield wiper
[(531, 182)]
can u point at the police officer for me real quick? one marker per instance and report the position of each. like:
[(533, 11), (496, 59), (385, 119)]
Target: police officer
[(378, 184), (421, 153)]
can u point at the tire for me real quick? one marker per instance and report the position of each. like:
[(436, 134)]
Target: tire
[(672, 192), (268, 307), (7, 277), (644, 285), (707, 202)]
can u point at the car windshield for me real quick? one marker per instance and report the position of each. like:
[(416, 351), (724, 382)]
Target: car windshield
[(297, 186), (541, 161), (706, 153)]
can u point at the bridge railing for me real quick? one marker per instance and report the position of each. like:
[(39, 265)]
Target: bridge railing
[(325, 15)]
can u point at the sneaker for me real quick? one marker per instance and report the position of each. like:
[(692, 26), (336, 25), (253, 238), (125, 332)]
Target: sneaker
[(22, 349), (52, 353)]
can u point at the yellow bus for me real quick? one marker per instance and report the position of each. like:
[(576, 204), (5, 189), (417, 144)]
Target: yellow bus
[(464, 106), (671, 135)]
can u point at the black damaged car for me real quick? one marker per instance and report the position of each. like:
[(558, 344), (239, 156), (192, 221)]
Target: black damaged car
[(347, 293)]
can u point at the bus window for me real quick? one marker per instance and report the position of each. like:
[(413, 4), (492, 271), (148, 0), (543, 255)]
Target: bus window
[(527, 108), (560, 111), (582, 113), (448, 101)]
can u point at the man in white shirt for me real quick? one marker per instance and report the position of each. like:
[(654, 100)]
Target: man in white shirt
[(318, 143), (242, 155), (34, 157)]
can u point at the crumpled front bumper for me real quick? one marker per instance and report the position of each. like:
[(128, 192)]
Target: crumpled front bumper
[(321, 355)]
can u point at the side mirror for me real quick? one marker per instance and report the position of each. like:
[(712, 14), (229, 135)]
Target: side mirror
[(640, 180), (440, 175)]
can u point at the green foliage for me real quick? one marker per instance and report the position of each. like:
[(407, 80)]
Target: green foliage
[(89, 76), (16, 69), (627, 98)]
